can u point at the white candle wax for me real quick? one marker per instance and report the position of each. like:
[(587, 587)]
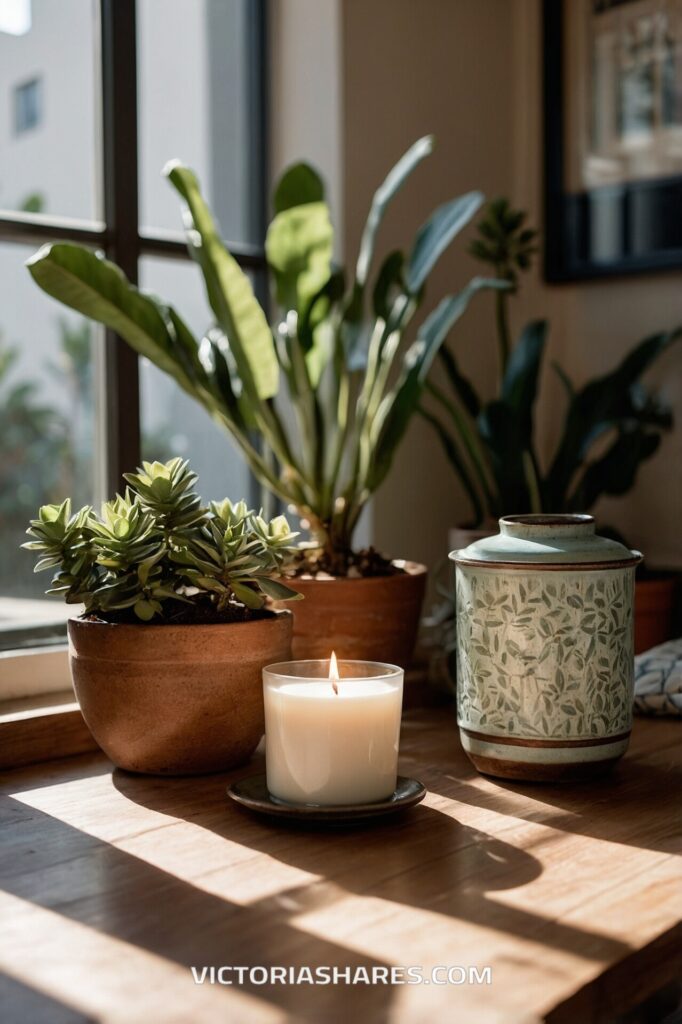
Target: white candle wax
[(324, 747)]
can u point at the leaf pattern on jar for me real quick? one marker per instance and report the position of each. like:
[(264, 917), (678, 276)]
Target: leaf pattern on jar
[(545, 655)]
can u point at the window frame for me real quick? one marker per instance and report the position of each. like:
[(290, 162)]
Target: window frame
[(119, 235)]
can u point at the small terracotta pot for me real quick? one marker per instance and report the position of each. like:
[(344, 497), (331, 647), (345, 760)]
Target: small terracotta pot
[(654, 606), (175, 700), (372, 618)]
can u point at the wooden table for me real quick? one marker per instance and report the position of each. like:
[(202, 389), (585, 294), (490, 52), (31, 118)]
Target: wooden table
[(114, 885)]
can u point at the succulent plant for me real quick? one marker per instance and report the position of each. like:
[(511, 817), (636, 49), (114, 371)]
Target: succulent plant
[(237, 552), (156, 548)]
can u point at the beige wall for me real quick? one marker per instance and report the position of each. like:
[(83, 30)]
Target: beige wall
[(470, 71)]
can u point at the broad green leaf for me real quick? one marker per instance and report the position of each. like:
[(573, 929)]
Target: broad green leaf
[(389, 278), (99, 290), (506, 425), (607, 403), (520, 383), (229, 292), (298, 247), (299, 184), (615, 472), (185, 346), (435, 236), (462, 387), (392, 184), (355, 334), (213, 355), (315, 328), (319, 307), (501, 431)]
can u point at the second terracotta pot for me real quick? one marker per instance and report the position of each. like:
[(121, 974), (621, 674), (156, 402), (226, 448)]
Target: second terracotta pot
[(372, 618), (654, 608), (175, 700)]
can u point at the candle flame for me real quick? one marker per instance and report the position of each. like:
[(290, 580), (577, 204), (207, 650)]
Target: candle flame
[(334, 673)]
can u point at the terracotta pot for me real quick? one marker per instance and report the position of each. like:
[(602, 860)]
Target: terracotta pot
[(654, 606), (373, 618), (175, 700)]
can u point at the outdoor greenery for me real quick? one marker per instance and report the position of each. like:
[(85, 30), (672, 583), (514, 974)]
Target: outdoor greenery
[(44, 452), (611, 424), (329, 388), (156, 550)]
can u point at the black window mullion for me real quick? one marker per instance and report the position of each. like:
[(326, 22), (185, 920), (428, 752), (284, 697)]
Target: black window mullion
[(120, 168), (36, 229)]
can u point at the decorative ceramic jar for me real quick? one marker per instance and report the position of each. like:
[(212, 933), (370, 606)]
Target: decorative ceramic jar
[(545, 648)]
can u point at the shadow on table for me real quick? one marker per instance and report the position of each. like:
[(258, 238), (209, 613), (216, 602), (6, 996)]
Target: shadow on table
[(35, 1007), (423, 858), (60, 868), (636, 805)]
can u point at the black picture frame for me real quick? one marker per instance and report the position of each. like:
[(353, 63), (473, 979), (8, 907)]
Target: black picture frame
[(568, 250)]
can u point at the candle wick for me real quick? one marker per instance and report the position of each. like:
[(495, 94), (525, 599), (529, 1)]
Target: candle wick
[(335, 687)]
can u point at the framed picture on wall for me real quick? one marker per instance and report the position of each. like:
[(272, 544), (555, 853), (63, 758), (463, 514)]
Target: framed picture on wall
[(613, 137)]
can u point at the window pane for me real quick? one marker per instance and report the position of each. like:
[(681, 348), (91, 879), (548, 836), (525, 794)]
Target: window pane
[(46, 427), (49, 107), (196, 72), (28, 105), (172, 422)]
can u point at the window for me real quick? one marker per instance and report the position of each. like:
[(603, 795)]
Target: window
[(15, 16), (28, 105), (77, 407)]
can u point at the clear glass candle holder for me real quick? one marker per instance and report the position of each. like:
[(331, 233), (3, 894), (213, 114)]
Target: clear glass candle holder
[(332, 741)]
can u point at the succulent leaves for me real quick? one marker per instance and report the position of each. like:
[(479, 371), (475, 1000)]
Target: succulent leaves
[(157, 545)]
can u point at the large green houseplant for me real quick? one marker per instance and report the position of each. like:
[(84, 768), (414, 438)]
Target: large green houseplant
[(336, 357), (611, 424), (167, 656)]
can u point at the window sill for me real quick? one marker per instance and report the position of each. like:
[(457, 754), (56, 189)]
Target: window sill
[(41, 728), (34, 672)]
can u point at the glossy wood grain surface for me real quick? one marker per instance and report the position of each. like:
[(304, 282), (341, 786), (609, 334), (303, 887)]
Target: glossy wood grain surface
[(113, 885)]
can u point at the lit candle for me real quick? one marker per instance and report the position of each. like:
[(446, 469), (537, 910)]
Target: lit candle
[(332, 732)]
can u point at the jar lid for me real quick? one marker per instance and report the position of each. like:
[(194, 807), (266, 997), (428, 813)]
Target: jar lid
[(548, 541)]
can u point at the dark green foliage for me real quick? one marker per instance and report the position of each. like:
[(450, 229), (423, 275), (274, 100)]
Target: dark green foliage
[(611, 425), (504, 242)]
